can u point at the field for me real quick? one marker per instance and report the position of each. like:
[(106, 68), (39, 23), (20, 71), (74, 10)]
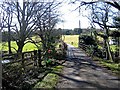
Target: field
[(27, 47), (71, 39)]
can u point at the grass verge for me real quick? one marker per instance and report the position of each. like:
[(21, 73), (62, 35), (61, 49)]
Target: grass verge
[(114, 67), (50, 79)]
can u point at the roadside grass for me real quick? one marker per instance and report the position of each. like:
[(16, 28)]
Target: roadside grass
[(71, 39), (50, 80), (115, 67)]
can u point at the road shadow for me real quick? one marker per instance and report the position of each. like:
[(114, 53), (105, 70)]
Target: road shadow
[(86, 83), (80, 62)]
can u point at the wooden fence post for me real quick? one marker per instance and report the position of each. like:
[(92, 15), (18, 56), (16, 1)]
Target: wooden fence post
[(23, 61), (39, 58), (35, 57)]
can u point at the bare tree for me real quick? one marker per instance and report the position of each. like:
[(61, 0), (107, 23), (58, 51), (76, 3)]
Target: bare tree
[(105, 18), (114, 3), (46, 27), (26, 16), (46, 19), (100, 16), (24, 21), (116, 21), (116, 33), (8, 15)]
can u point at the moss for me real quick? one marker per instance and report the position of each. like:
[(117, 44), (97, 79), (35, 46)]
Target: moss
[(57, 69), (50, 79), (48, 82)]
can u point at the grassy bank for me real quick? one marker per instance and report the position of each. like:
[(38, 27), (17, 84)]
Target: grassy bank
[(114, 67), (50, 80)]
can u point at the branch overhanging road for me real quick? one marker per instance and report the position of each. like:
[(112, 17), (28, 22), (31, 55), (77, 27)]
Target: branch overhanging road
[(81, 72)]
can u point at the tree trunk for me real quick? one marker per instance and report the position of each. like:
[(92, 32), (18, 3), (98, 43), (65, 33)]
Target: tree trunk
[(9, 40), (109, 51), (20, 47), (95, 37), (19, 53), (39, 58), (106, 49), (107, 44), (119, 46)]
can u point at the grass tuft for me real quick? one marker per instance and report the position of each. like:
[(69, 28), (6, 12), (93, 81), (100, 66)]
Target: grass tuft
[(50, 80)]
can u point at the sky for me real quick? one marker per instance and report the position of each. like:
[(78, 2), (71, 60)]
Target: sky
[(71, 18)]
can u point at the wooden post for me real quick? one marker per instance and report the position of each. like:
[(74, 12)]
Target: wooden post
[(35, 57), (39, 58), (23, 61)]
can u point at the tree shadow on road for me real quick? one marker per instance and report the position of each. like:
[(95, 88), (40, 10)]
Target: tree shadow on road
[(85, 84), (80, 64), (77, 63)]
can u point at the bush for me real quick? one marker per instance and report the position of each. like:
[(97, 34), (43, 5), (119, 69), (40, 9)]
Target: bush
[(88, 40)]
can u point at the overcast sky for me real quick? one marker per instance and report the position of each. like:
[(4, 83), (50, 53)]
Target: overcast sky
[(71, 18)]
